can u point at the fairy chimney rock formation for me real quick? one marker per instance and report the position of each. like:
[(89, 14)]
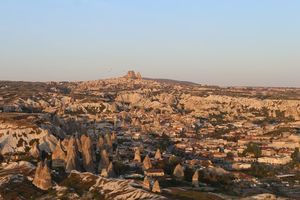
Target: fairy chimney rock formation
[(100, 143), (104, 160), (88, 153), (35, 151), (137, 155), (42, 178), (113, 137), (156, 187), (178, 172), (146, 183), (195, 179), (147, 163), (104, 173), (72, 160), (58, 155), (108, 140), (157, 154), (110, 170), (78, 144)]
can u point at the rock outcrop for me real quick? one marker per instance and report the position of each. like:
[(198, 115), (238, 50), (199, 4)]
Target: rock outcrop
[(146, 183), (59, 155), (147, 163), (35, 151), (88, 153), (195, 179), (72, 160), (178, 172), (137, 155), (100, 143), (104, 160), (108, 140), (156, 187), (133, 75), (157, 154), (110, 170), (42, 178)]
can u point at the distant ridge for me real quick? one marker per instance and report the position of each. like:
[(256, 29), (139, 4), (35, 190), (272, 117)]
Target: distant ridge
[(171, 81)]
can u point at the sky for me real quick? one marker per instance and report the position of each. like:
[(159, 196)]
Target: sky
[(215, 42)]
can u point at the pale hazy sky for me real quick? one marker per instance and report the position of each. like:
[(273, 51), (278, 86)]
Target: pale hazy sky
[(219, 42)]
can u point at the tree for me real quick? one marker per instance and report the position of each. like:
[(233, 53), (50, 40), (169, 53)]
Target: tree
[(253, 148), (296, 155), (1, 158), (230, 156)]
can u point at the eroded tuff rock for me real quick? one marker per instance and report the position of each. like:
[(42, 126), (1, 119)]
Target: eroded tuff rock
[(137, 155), (100, 143), (122, 189), (133, 75), (104, 160), (230, 105), (72, 160), (59, 155), (195, 179), (35, 151), (147, 163), (110, 170), (264, 197), (16, 138), (88, 154), (178, 172), (146, 183), (42, 178), (156, 187), (108, 140), (157, 154)]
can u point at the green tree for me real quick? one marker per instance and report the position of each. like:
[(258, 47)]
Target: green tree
[(296, 155), (253, 148), (1, 158), (230, 156)]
